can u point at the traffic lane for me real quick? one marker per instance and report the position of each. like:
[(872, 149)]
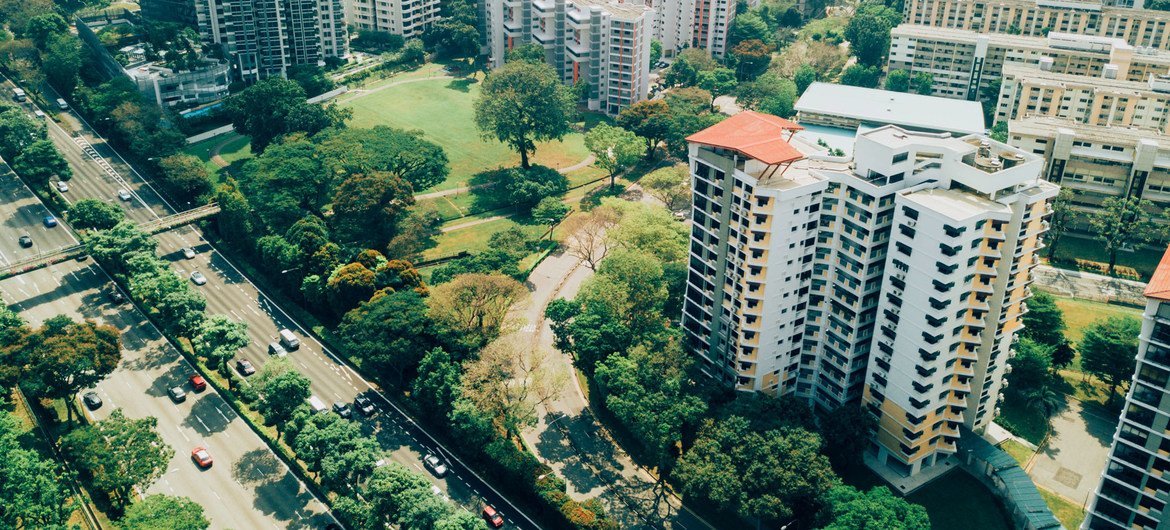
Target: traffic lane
[(139, 387), (21, 213), (90, 181), (229, 292)]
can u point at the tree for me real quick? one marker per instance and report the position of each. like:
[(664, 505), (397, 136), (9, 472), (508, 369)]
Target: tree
[(847, 508), (33, 494), (862, 76), (522, 103), (769, 93), (120, 454), (366, 208), (719, 82), (649, 119), (805, 76), (63, 356), (349, 286), (1044, 321), (1109, 349), (752, 58), (39, 162), (17, 132), (586, 235), (525, 188), (108, 246), (671, 186), (923, 83), (437, 384), (532, 53), (615, 148), (687, 64), (1062, 218), (868, 32), (390, 332), (475, 304), (219, 339), (1123, 223), (405, 154), (321, 435), (416, 233), (454, 39), (655, 51), (649, 231), (282, 391), (274, 107), (1031, 367), (509, 381), (62, 61), (186, 176), (898, 81), (768, 476), (42, 27), (311, 78), (745, 27), (999, 133), (550, 211), (1045, 400), (1063, 355), (164, 512), (850, 428)]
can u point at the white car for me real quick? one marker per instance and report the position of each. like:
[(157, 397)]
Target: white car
[(435, 465), (61, 186), (188, 253), (198, 278), (124, 195)]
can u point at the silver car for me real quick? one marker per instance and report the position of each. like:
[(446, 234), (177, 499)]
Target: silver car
[(62, 186), (436, 465), (124, 195), (188, 253), (198, 278)]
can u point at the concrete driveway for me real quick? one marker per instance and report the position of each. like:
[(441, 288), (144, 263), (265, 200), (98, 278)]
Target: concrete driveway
[(1073, 457)]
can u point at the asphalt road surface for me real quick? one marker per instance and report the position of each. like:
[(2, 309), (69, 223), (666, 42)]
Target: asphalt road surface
[(247, 486), (229, 292), (21, 213)]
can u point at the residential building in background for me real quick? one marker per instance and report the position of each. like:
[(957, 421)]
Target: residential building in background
[(263, 38), (181, 11), (604, 43), (1122, 19), (798, 280), (1098, 100), (1134, 486), (968, 65), (681, 24), (401, 17)]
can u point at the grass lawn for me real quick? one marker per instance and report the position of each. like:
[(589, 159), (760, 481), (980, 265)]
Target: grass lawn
[(1078, 314), (1019, 451), (1069, 514), (237, 147), (1143, 260), (979, 509), (442, 110), (475, 238)]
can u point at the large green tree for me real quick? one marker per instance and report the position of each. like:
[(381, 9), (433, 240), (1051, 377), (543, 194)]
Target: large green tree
[(120, 454), (367, 208), (39, 162), (1109, 349), (1123, 223), (17, 131), (1062, 218), (390, 333), (275, 107), (282, 390), (1044, 321), (404, 154), (648, 119), (847, 508), (615, 149), (62, 61), (164, 512), (437, 384), (33, 492), (64, 356), (186, 176), (219, 339), (868, 32), (96, 214), (522, 103)]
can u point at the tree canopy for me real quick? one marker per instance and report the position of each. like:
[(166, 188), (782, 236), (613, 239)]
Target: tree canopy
[(523, 103), (1109, 350), (120, 454)]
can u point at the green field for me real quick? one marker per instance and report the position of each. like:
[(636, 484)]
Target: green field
[(1079, 314), (1069, 514), (442, 110), (234, 147)]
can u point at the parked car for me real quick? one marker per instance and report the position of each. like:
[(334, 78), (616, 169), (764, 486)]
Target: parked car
[(435, 465), (342, 409), (124, 195), (201, 457), (492, 516), (49, 221), (245, 367), (178, 395), (61, 185), (62, 104), (364, 405), (92, 400), (198, 278), (116, 295), (198, 383), (188, 253), (25, 241)]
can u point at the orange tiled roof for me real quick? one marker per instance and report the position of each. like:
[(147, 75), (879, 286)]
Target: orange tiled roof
[(760, 136), (1159, 286)]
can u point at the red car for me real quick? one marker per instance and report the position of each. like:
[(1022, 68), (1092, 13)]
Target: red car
[(492, 516), (198, 383), (201, 457)]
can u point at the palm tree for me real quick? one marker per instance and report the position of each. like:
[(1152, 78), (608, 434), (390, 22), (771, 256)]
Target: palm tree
[(1045, 400)]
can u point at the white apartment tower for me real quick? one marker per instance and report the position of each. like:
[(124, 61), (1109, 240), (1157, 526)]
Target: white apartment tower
[(263, 38), (401, 17), (604, 43), (680, 24), (895, 279)]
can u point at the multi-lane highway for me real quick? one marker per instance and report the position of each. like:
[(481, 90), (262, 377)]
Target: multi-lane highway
[(100, 173), (22, 214)]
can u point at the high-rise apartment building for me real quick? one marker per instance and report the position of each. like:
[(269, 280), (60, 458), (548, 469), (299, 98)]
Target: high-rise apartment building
[(401, 17), (895, 278), (181, 11), (604, 43), (681, 24), (966, 64), (1135, 485), (263, 38), (1122, 19)]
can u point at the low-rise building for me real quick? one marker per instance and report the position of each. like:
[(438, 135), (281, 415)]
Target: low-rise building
[(850, 107), (168, 88)]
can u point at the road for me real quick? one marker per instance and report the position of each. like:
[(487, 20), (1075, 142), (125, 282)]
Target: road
[(21, 213), (229, 292)]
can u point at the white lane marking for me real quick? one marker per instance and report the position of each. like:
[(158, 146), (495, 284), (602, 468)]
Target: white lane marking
[(225, 418), (185, 437), (203, 424)]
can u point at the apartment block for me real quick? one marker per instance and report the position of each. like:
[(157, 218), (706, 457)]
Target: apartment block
[(1089, 100), (967, 64), (604, 43), (263, 38), (799, 265), (181, 11), (1135, 485), (401, 17), (681, 24), (1123, 19)]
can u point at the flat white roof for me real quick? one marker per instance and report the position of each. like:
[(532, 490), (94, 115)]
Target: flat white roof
[(910, 111)]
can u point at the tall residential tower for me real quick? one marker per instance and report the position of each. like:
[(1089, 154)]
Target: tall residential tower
[(263, 38)]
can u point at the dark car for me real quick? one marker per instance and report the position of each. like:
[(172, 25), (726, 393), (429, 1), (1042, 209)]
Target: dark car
[(245, 367), (364, 405), (49, 221), (25, 241), (116, 295), (342, 409), (178, 395), (92, 400)]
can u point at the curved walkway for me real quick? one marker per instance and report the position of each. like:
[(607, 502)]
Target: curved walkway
[(456, 191), (362, 92), (215, 158)]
